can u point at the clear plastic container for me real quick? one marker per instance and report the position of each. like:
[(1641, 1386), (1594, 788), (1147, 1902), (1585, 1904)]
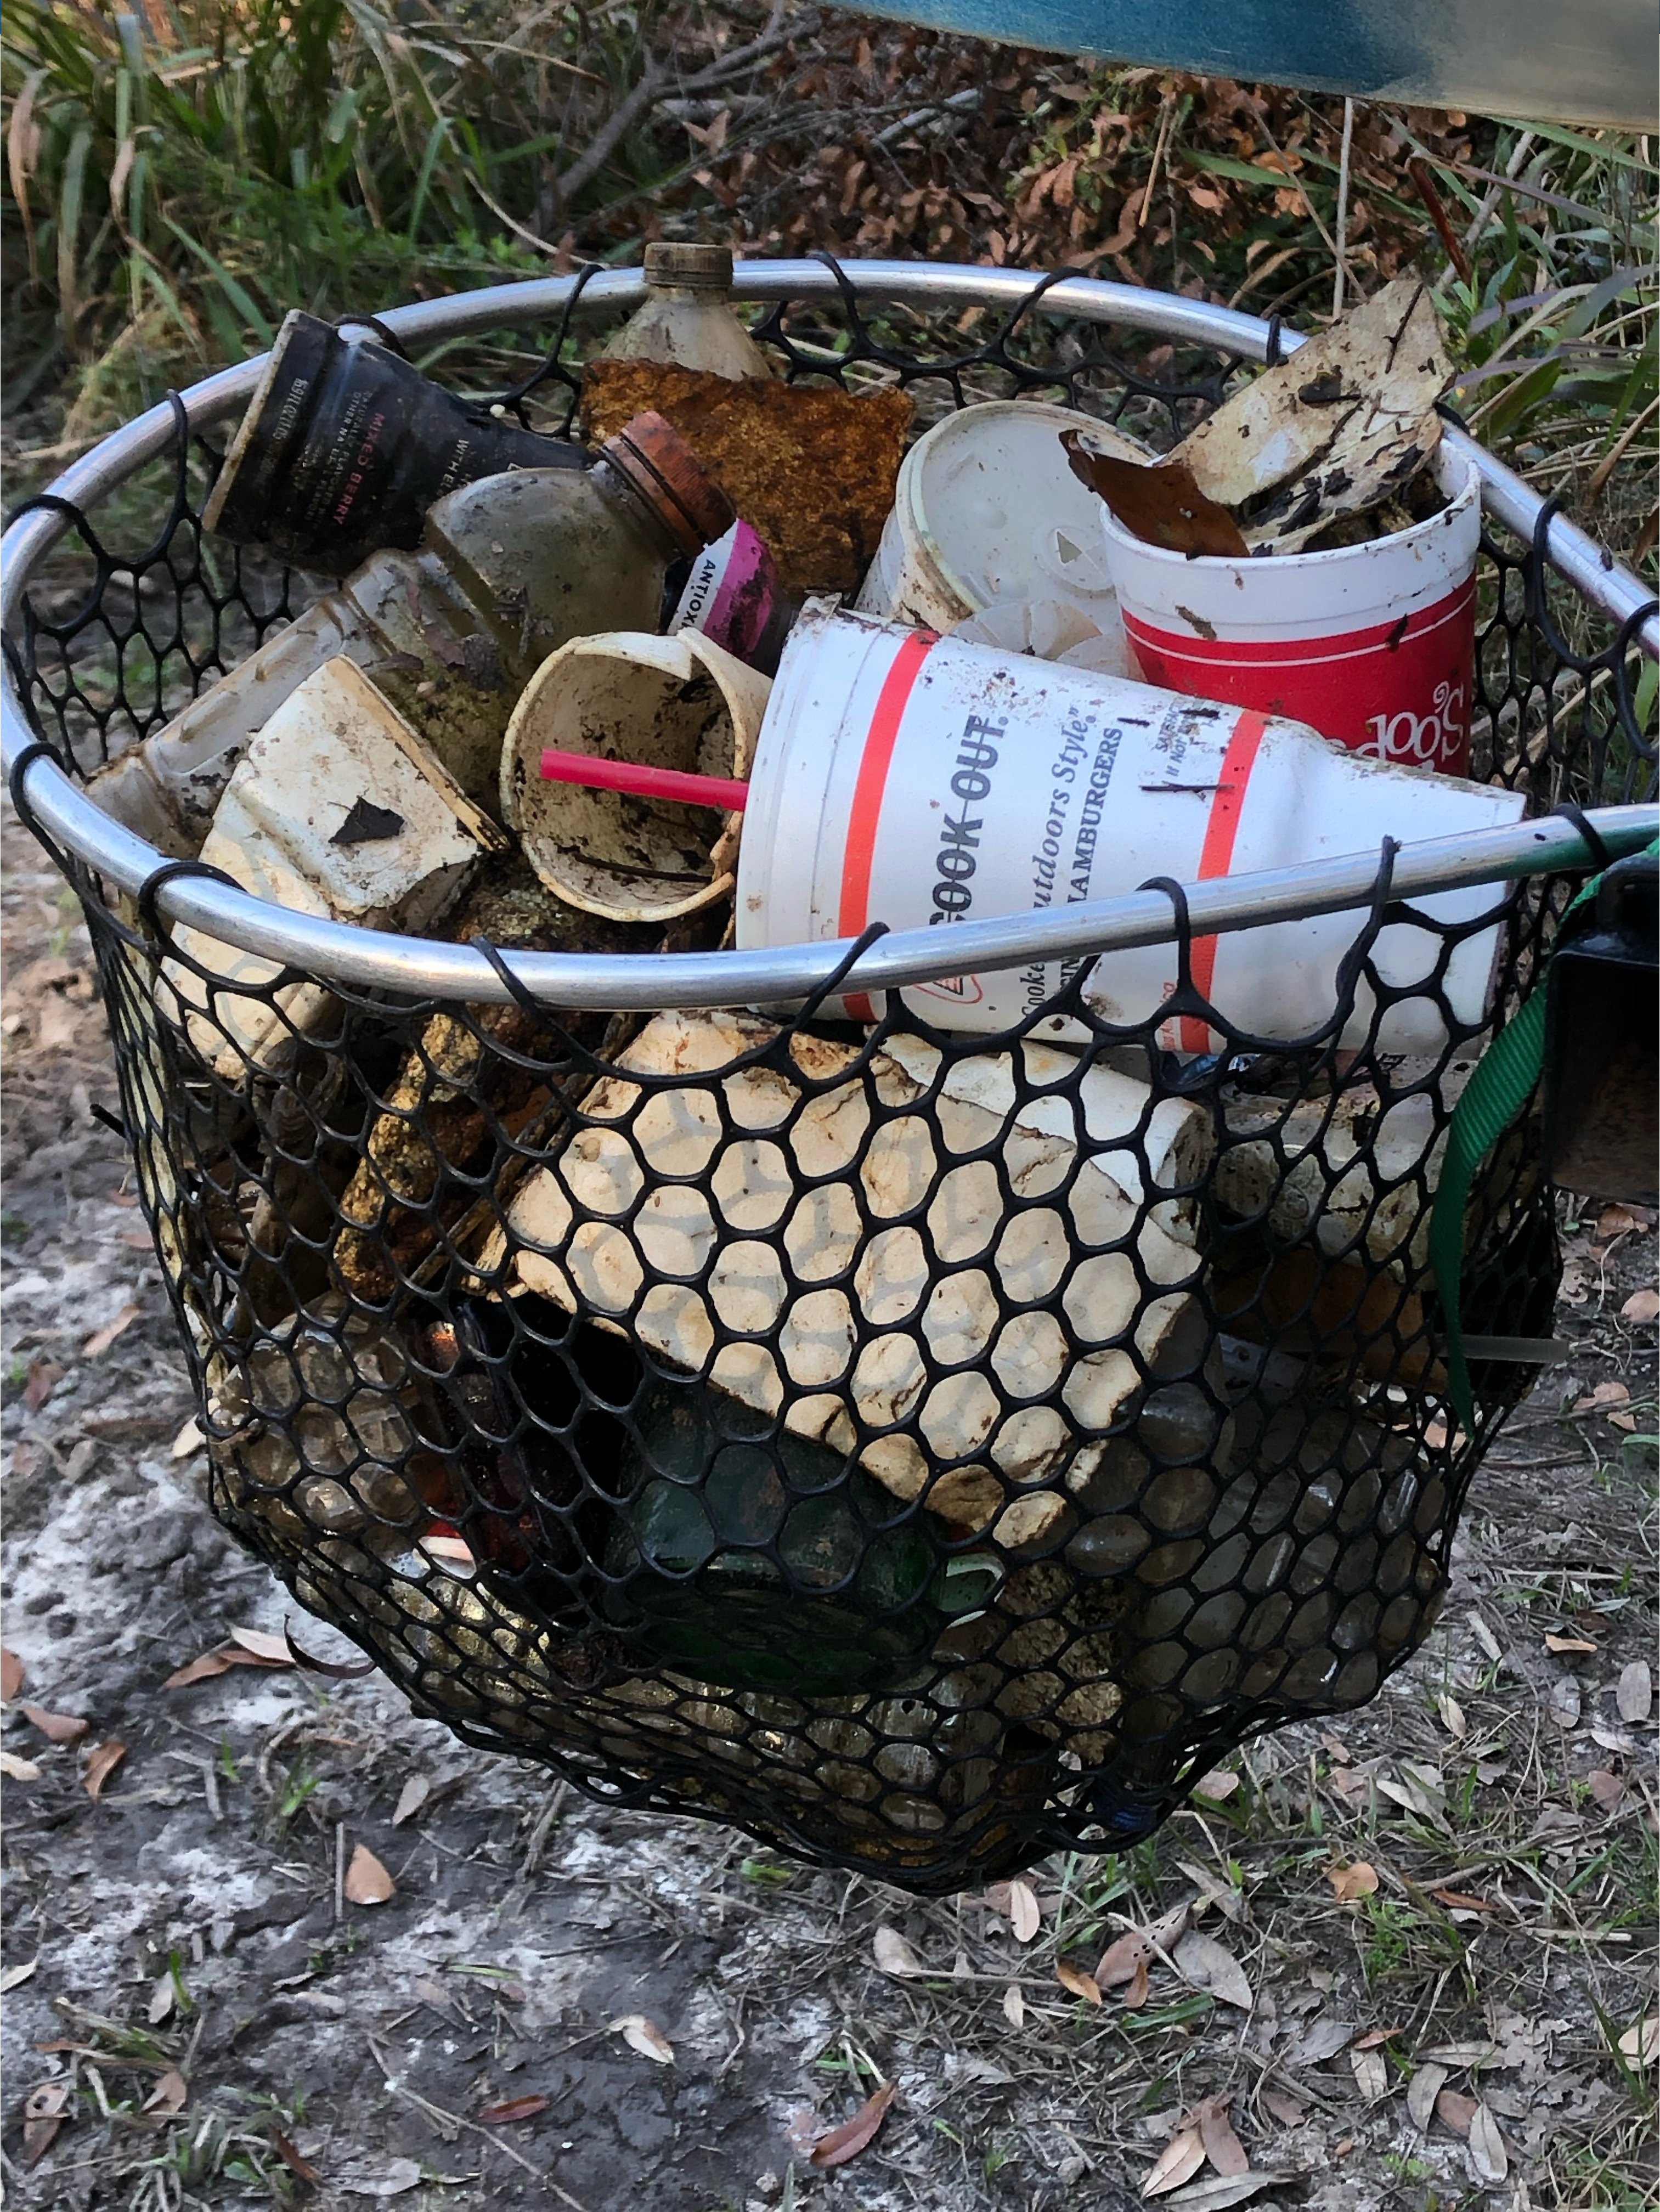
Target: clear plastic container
[(686, 319)]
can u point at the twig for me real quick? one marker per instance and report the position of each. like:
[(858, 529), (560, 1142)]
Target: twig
[(1341, 279), (339, 1871), (538, 1834), (1419, 174), (1607, 465), (452, 2120), (1157, 157)]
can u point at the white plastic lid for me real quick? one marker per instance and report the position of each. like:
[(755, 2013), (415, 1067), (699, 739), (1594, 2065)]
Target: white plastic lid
[(998, 509)]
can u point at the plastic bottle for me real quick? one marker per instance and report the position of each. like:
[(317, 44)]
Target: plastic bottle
[(686, 319), (513, 567)]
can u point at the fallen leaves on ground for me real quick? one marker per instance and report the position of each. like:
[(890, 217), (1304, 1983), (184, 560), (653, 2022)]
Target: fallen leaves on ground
[(411, 1798), (1284, 2109), (513, 2108), (189, 1439), (43, 1377), (1641, 2044), (101, 1762), (1371, 2075), (1565, 1702), (293, 2158), (1222, 2147), (170, 2095), (1014, 2006), (1219, 1785), (1425, 2087), (101, 1338), (846, 2141), (56, 1728), (45, 2111), (1607, 1789), (1080, 1983), (1635, 1696), (1202, 1960), (1180, 2159), (367, 1882), (18, 1770), (1642, 1305), (1454, 2112), (1350, 1882), (163, 1997), (383, 2176), (895, 1955), (1604, 1395), (643, 2034), (1569, 1643), (248, 1647), (1488, 2157), (11, 1674), (1024, 1917)]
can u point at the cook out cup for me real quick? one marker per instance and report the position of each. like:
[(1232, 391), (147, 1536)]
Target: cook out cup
[(922, 781), (1372, 645)]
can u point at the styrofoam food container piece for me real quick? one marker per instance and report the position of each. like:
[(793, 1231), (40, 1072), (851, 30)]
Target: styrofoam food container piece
[(1372, 645), (917, 780), (676, 702), (987, 510)]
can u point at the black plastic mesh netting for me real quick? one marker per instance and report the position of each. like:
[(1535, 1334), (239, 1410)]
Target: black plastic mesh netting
[(924, 1451)]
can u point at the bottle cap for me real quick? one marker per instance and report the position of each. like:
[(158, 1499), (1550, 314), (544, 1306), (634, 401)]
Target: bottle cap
[(662, 468), (691, 268)]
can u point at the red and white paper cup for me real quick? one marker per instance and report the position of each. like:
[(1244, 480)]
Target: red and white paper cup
[(1372, 645), (920, 780)]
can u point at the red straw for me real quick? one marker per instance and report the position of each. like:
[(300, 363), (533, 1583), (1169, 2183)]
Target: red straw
[(644, 782)]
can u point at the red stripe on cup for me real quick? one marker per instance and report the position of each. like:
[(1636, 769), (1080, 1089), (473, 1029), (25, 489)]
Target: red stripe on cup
[(869, 789), (1216, 855), (1312, 652)]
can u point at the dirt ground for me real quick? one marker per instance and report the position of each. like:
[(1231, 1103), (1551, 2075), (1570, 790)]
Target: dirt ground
[(1434, 1919)]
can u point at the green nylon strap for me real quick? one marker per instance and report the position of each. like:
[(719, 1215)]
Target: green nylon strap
[(1505, 1080)]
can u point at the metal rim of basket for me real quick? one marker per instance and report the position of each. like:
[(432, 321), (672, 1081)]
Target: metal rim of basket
[(780, 975)]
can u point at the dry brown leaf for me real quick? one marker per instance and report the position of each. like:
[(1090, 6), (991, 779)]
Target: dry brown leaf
[(1423, 2089), (1565, 1702), (101, 1338), (1202, 1960), (1350, 1882), (411, 1798), (1014, 2006), (56, 1728), (291, 2158), (1371, 2074), (259, 1644), (367, 1882), (1220, 2191), (42, 1379), (170, 2095), (1222, 2147), (1642, 1305), (162, 1999), (1488, 2157), (1219, 1785), (644, 2035), (1119, 1962), (1285, 2110), (1138, 1989), (189, 1439), (1024, 1917), (1569, 1643), (45, 2108), (101, 1762), (15, 1977), (1634, 1697), (1454, 2112), (1605, 1394), (1180, 2159), (1452, 1716), (1159, 503), (1081, 1984), (1459, 1901), (18, 1770), (11, 1674), (513, 2108), (1607, 1789), (1622, 1421), (846, 2141), (895, 1955), (1641, 2044), (201, 1670)]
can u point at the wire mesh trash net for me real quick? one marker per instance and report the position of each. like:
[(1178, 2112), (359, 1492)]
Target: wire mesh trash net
[(921, 1451)]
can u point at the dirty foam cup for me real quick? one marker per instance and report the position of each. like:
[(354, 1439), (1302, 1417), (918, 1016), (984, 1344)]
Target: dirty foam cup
[(919, 781), (1372, 645)]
